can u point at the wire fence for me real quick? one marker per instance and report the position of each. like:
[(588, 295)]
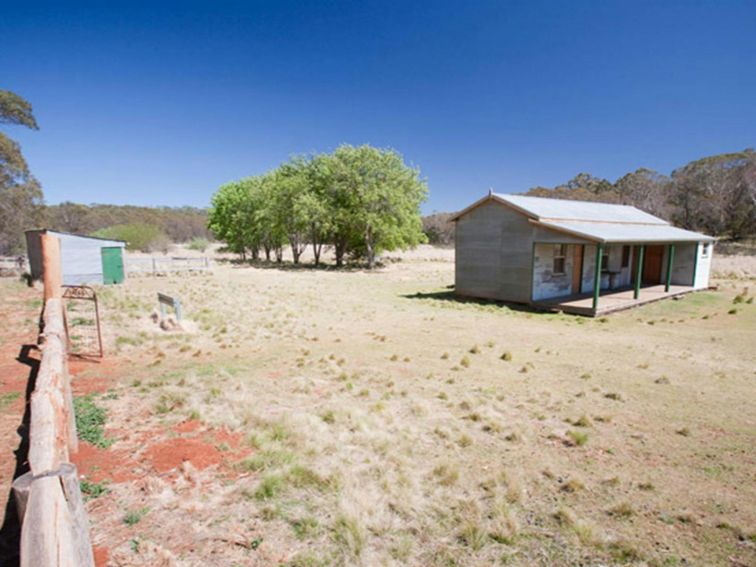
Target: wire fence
[(156, 265), (13, 265)]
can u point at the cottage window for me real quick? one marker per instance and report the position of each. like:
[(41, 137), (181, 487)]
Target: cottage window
[(625, 256), (705, 251), (605, 260), (560, 254)]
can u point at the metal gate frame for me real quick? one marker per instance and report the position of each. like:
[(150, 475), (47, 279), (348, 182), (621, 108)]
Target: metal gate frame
[(83, 292)]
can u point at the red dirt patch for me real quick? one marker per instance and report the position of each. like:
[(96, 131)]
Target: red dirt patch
[(169, 454), (233, 440), (102, 464), (188, 426), (101, 556), (91, 376)]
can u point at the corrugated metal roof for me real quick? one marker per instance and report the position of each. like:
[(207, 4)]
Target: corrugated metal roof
[(625, 232), (563, 209), (599, 222)]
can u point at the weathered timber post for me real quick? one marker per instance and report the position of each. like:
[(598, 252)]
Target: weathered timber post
[(597, 276), (52, 270), (55, 530), (670, 259), (639, 271)]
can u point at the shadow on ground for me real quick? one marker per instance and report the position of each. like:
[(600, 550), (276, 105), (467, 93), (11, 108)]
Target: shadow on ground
[(302, 266), (10, 533), (452, 298)]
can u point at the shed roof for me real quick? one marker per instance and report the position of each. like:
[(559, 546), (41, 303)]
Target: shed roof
[(62, 233), (599, 222)]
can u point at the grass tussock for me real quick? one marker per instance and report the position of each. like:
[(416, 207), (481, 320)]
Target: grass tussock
[(577, 438)]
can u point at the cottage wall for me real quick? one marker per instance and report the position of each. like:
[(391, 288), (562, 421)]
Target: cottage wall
[(494, 248), (683, 263), (546, 284), (589, 269), (703, 268)]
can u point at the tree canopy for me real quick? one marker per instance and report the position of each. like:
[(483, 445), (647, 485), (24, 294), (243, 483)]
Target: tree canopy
[(21, 198), (359, 200)]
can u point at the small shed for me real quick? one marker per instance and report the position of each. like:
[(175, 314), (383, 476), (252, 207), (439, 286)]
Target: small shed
[(84, 259), (574, 256)]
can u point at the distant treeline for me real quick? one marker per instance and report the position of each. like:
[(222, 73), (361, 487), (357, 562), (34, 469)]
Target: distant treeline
[(179, 224), (715, 195)]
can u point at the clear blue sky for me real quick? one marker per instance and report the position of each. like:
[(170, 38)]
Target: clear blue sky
[(159, 103)]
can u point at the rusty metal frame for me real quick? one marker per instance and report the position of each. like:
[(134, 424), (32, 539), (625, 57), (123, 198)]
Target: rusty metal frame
[(87, 293)]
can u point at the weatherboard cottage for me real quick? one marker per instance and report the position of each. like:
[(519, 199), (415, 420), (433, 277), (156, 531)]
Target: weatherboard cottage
[(574, 256)]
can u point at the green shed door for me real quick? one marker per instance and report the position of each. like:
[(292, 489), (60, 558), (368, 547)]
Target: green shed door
[(112, 265)]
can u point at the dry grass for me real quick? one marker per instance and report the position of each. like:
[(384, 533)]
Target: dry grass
[(385, 429)]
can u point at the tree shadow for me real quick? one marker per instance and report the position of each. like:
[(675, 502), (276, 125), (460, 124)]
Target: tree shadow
[(10, 533), (451, 297), (288, 266)]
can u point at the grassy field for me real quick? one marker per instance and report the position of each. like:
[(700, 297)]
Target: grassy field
[(360, 418)]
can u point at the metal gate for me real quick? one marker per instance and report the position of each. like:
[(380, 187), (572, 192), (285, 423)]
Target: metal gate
[(82, 320)]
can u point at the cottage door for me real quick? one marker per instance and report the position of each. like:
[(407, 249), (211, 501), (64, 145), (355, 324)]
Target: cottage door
[(652, 265), (577, 268)]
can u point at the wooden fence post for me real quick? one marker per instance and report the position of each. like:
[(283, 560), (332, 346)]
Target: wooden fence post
[(52, 270), (54, 526)]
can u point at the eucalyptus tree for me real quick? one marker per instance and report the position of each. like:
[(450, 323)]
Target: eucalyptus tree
[(21, 197)]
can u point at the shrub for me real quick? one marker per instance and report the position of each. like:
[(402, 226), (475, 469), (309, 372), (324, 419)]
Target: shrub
[(577, 437), (92, 489), (199, 244), (134, 516), (138, 236)]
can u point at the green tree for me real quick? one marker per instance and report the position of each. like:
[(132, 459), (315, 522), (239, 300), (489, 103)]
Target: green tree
[(290, 187), (362, 200), (378, 201), (21, 197), (229, 216)]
